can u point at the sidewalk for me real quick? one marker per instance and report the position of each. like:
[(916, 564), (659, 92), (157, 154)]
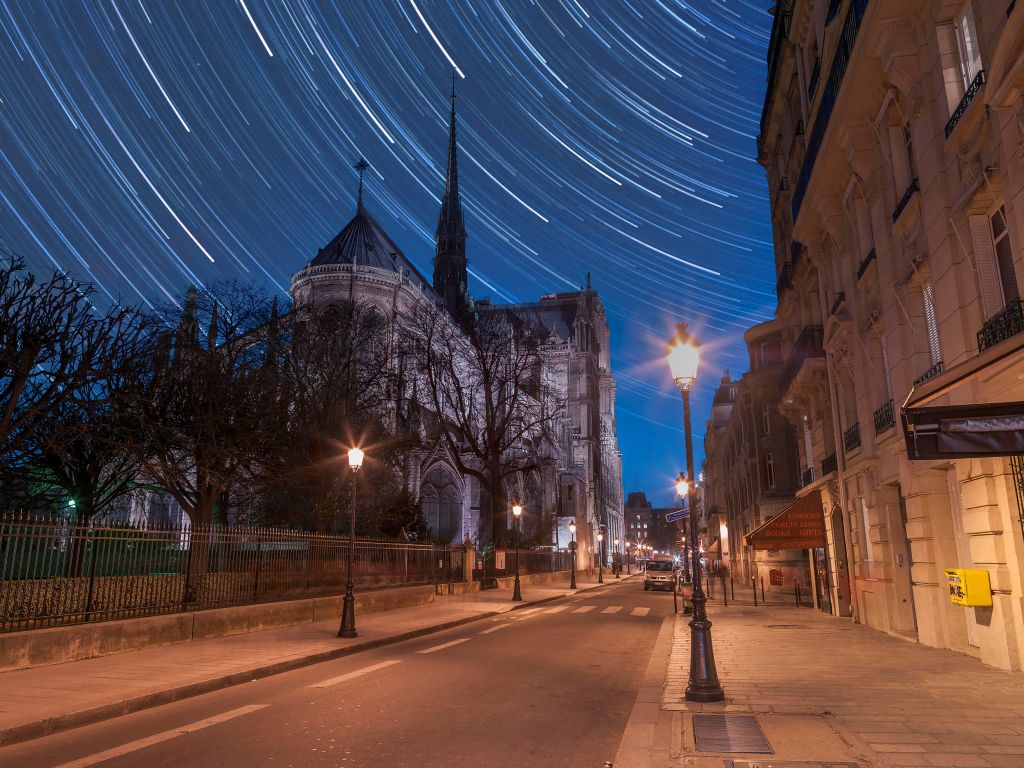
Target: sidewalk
[(830, 692), (42, 700)]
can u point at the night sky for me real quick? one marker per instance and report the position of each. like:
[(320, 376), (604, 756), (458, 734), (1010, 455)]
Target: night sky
[(146, 145)]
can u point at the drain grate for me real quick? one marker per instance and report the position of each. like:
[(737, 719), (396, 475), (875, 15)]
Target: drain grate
[(729, 733)]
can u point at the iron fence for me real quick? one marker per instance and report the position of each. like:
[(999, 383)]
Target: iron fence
[(54, 572), (502, 563)]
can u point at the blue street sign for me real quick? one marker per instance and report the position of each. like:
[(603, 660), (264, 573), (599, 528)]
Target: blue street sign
[(678, 514)]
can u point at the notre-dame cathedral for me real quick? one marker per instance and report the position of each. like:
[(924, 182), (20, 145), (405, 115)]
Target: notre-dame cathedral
[(581, 477)]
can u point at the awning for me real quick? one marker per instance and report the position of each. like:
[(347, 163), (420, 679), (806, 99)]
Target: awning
[(964, 431), (801, 525), (969, 430), (714, 552)]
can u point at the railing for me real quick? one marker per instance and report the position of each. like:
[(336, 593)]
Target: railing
[(844, 50), (884, 418), (902, 204), (840, 299), (807, 477), (807, 345), (933, 371), (851, 438), (779, 33), (530, 561), (796, 252), (833, 9), (965, 102), (828, 464), (1004, 324), (865, 263), (812, 84), (784, 281), (53, 572)]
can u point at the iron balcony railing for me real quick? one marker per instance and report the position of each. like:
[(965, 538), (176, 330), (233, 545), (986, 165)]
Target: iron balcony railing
[(808, 345), (865, 263), (933, 371), (828, 464), (833, 9), (965, 102), (884, 418), (808, 476), (851, 438), (784, 281), (54, 572), (1004, 324), (902, 204), (812, 84), (844, 50), (840, 299)]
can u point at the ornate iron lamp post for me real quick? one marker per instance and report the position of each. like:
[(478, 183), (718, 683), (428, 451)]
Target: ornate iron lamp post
[(517, 512), (348, 612), (626, 550), (572, 552), (683, 359), (615, 553)]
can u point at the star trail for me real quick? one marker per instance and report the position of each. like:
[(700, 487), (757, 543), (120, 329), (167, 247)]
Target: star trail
[(146, 146)]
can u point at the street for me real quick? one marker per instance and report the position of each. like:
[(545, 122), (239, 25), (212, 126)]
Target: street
[(551, 685)]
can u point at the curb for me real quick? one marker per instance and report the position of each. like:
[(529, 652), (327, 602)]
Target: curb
[(51, 725)]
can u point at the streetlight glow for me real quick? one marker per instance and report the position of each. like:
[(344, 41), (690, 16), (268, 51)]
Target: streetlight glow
[(682, 486), (683, 358), (355, 458), (517, 510)]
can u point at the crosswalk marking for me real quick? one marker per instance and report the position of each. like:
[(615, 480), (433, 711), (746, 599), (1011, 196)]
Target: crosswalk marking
[(640, 611), (585, 609), (358, 673), (134, 746), (495, 628), (612, 609), (559, 609), (442, 646)]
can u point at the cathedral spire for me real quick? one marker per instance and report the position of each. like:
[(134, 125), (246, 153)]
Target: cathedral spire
[(360, 166), (450, 255)]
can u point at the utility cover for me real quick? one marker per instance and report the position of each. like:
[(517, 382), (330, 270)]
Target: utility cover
[(729, 733)]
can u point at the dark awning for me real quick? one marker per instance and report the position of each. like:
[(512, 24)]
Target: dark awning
[(964, 431), (801, 525)]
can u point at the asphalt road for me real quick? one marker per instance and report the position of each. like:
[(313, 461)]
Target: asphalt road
[(547, 686)]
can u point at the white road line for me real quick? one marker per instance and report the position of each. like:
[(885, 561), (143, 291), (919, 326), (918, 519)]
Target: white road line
[(559, 609), (612, 609), (350, 675), (134, 746), (444, 645), (640, 611), (494, 629), (526, 612), (585, 609)]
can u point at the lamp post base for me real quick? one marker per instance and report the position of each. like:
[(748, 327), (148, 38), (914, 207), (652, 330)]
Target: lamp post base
[(600, 576), (516, 594), (572, 581), (703, 685), (348, 615)]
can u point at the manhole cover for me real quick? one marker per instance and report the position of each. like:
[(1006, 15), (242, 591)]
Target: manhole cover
[(786, 626), (729, 733)]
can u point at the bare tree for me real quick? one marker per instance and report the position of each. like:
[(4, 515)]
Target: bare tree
[(484, 381)]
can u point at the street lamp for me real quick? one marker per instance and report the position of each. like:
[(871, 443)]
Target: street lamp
[(348, 612), (600, 558), (683, 359), (627, 558), (517, 512), (572, 551), (615, 553)]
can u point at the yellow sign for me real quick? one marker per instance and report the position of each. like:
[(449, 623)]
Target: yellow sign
[(969, 587)]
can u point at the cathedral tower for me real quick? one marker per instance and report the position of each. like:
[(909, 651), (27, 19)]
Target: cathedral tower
[(450, 257)]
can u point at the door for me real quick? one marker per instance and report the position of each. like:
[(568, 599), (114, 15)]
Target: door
[(841, 570)]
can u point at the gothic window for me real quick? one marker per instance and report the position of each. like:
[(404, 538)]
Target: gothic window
[(442, 504)]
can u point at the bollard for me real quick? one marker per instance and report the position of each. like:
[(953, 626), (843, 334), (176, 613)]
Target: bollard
[(732, 587), (725, 595), (762, 593), (796, 593), (753, 582)]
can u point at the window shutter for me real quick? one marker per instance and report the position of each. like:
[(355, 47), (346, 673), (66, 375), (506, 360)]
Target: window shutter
[(928, 293), (885, 367), (985, 265), (900, 161)]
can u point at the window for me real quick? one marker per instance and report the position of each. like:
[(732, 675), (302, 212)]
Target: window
[(960, 56), (993, 256), (1004, 255), (928, 296), (766, 419), (901, 145), (967, 47), (769, 465)]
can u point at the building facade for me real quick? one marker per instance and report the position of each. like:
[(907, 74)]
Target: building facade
[(892, 137)]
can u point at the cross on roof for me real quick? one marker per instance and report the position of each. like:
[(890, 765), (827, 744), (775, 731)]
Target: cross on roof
[(361, 166)]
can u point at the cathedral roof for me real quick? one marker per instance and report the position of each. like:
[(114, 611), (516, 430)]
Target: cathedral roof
[(365, 242)]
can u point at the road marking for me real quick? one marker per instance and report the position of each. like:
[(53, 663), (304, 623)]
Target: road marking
[(134, 746), (585, 609), (612, 609), (640, 611), (442, 646), (559, 609), (527, 612), (494, 629), (350, 675)]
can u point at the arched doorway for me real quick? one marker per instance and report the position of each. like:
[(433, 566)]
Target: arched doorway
[(441, 502)]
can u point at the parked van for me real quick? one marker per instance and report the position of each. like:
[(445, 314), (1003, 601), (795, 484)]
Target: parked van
[(659, 574)]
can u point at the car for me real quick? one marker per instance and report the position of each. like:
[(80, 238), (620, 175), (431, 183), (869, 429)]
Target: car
[(659, 574)]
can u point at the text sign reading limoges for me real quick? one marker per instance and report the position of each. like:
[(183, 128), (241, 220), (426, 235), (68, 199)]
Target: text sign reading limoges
[(799, 526), (679, 514)]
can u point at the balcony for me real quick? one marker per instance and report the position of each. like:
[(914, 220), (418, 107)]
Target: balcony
[(965, 102), (796, 252), (885, 419), (840, 300), (865, 263), (934, 370), (807, 346), (812, 84), (808, 477), (904, 201), (784, 281), (1004, 324), (833, 9), (828, 464), (844, 49), (851, 438)]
